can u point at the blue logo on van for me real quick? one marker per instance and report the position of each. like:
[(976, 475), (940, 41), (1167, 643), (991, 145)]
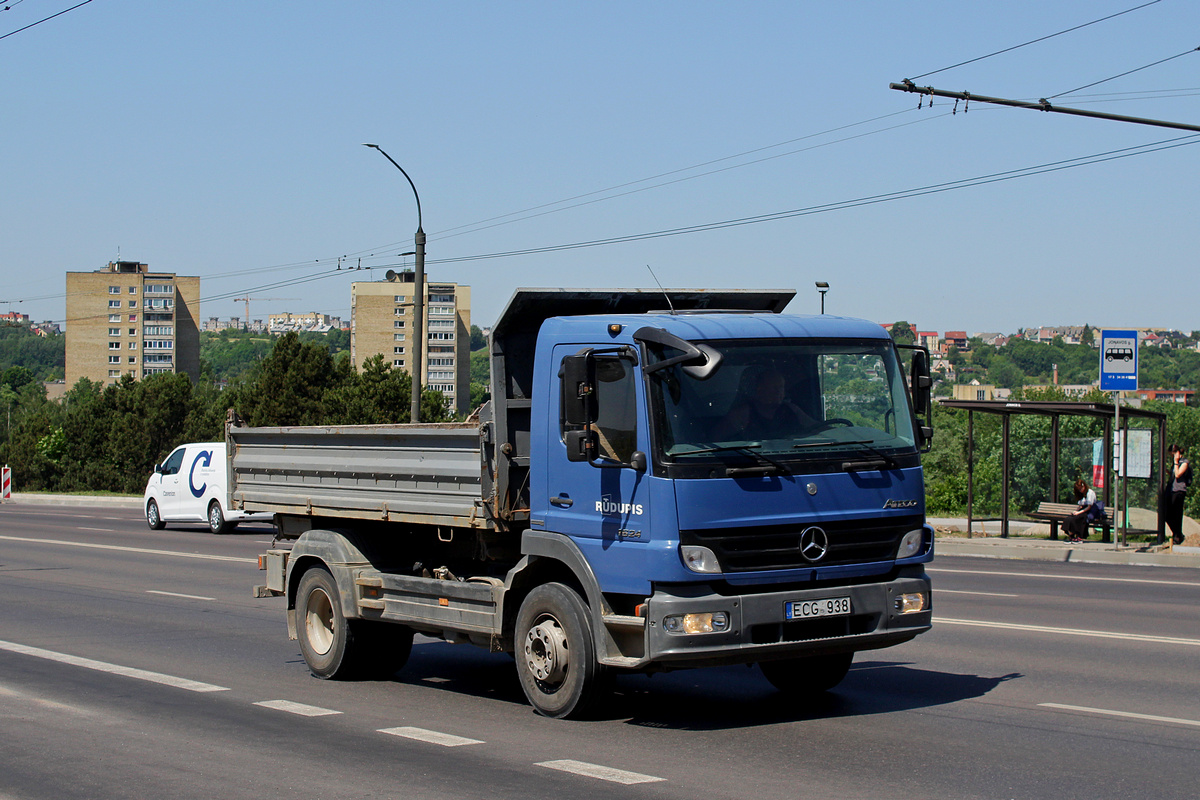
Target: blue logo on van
[(207, 456)]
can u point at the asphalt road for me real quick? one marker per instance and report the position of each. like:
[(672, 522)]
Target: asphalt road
[(136, 663)]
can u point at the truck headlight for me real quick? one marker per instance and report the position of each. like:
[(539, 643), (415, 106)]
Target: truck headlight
[(713, 622), (910, 545), (699, 559)]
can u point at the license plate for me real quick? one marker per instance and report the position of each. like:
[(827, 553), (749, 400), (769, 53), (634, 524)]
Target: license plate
[(825, 607)]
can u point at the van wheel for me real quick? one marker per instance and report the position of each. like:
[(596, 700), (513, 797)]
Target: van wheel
[(341, 649), (807, 676), (556, 657), (216, 519), (153, 518)]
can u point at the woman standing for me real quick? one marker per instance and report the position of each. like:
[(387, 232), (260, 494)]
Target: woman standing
[(1176, 490)]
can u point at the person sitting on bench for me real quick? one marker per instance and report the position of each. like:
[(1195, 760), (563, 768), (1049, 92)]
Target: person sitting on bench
[(1076, 525)]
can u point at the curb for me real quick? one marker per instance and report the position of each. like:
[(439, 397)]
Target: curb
[(1047, 551), (27, 499)]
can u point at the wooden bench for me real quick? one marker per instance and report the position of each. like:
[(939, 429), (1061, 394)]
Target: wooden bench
[(1055, 513)]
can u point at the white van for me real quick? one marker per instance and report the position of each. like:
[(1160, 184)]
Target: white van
[(189, 486)]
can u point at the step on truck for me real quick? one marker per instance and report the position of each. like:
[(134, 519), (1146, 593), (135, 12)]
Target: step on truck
[(661, 480)]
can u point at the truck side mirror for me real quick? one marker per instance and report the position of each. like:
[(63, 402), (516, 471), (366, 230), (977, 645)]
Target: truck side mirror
[(921, 383), (578, 374), (581, 445), (699, 360), (158, 469)]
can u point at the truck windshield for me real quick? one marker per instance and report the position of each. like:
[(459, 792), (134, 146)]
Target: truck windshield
[(784, 403)]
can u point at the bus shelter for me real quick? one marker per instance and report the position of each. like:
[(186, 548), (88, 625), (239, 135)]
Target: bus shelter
[(1056, 410)]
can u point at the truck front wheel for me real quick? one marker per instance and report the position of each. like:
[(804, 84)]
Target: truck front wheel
[(555, 653), (806, 676)]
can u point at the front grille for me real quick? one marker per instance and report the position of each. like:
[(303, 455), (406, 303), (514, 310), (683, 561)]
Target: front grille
[(772, 547)]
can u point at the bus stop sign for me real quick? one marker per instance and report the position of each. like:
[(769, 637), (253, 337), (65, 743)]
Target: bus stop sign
[(1118, 361)]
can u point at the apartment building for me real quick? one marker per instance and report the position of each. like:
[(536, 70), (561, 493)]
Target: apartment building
[(381, 321), (125, 319), (313, 321)]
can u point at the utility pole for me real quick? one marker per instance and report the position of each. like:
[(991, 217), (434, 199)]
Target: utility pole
[(1040, 105)]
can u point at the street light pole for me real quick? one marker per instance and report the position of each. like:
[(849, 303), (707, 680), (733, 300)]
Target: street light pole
[(822, 287), (418, 344)]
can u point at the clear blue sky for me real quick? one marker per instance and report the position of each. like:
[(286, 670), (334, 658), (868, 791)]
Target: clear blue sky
[(222, 139)]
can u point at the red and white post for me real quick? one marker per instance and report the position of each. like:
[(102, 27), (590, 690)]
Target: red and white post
[(6, 495)]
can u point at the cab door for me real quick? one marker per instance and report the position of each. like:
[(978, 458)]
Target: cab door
[(169, 484), (603, 505)]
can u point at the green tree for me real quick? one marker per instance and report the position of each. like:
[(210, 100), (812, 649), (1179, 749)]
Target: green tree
[(903, 333), (290, 385)]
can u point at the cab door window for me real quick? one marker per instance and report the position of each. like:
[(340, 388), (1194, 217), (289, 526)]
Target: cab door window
[(616, 401), (173, 463)]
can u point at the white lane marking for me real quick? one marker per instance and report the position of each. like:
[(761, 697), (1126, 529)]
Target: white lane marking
[(432, 737), (297, 708), (106, 530), (145, 550), (1062, 577), (597, 771), (177, 594), (985, 594), (1126, 714), (1014, 626), (113, 669)]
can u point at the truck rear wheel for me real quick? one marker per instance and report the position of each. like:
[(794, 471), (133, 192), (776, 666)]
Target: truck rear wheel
[(805, 676), (341, 649), (555, 653)]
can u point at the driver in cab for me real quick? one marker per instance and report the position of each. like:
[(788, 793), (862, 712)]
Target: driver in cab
[(762, 411)]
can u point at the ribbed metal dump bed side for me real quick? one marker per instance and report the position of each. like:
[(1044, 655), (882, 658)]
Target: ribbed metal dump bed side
[(424, 474)]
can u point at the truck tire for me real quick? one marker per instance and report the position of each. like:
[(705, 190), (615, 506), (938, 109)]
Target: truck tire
[(341, 649), (555, 652), (153, 517), (807, 676), (216, 519)]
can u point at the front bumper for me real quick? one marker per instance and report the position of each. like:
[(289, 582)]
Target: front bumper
[(758, 630)]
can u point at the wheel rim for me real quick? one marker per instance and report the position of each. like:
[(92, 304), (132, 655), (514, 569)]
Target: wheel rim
[(214, 517), (152, 513), (546, 652), (318, 621)]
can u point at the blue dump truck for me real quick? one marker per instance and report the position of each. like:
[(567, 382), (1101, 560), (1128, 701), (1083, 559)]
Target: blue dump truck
[(661, 480)]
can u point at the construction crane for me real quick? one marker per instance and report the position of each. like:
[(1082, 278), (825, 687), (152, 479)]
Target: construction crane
[(247, 300)]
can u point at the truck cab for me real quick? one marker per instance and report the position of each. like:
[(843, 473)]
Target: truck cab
[(740, 479)]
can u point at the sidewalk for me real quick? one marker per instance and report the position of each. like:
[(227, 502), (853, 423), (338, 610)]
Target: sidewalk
[(952, 542)]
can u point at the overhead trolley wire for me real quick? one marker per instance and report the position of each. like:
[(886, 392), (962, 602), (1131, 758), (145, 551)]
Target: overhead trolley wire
[(702, 174), (47, 19), (904, 194), (669, 173), (1033, 41), (1123, 74)]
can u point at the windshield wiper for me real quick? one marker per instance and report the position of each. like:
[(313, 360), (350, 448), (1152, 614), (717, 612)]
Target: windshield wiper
[(827, 442), (881, 459), (722, 448), (768, 467)]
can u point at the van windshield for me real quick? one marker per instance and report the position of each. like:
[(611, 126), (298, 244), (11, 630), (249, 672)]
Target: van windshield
[(784, 403)]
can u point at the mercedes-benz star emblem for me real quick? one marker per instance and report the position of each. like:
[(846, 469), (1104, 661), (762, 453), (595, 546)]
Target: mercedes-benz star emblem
[(814, 543)]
